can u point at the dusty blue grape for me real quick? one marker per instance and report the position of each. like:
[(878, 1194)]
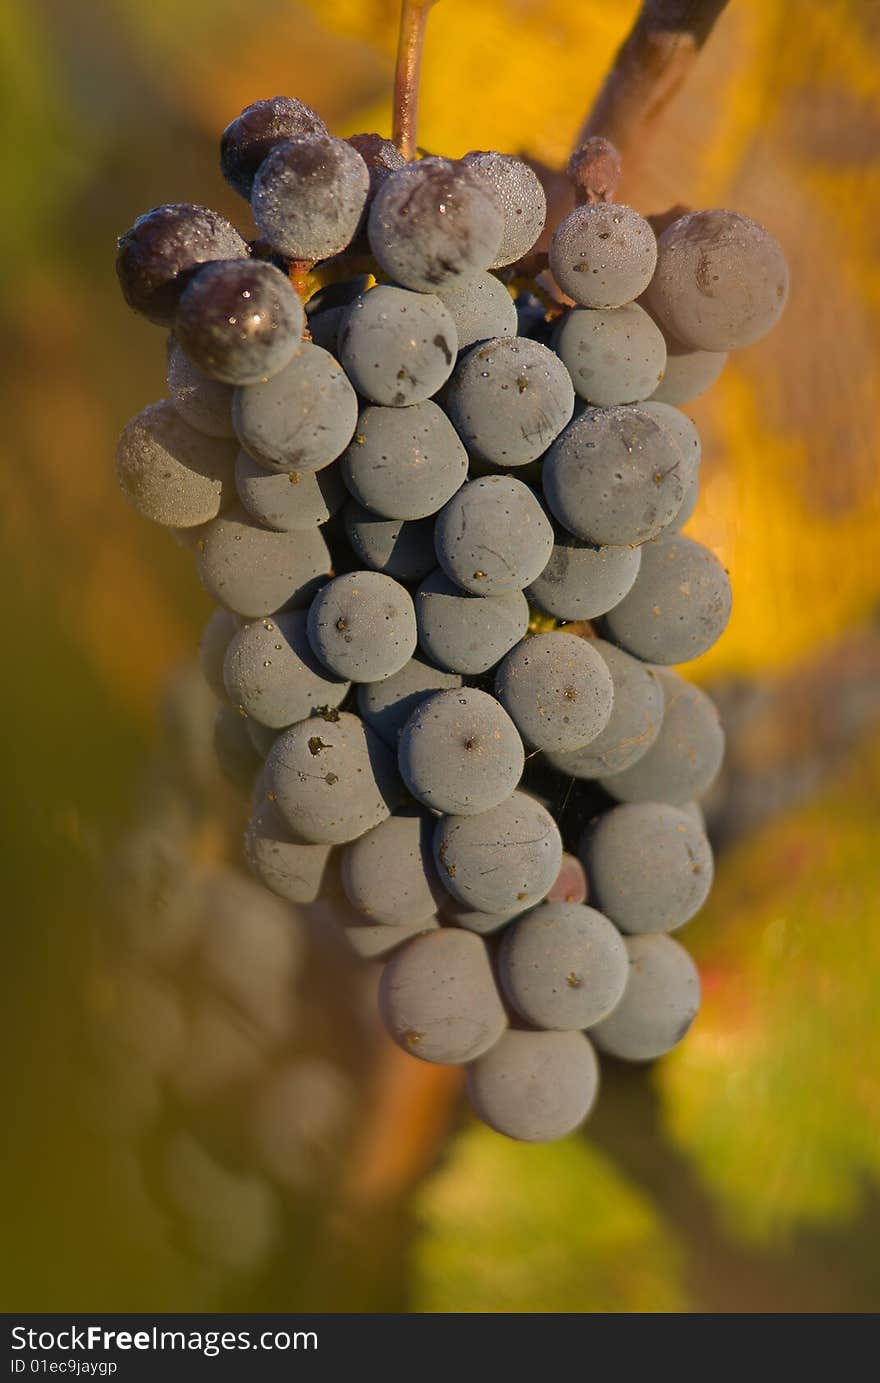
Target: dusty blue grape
[(309, 195), (614, 355), (169, 472), (302, 418), (659, 1004), (649, 866), (288, 867), (434, 221), (459, 752), (386, 706), (256, 572), (685, 756), (397, 347), (400, 549), (204, 403), (481, 308), (603, 255), (288, 500), (438, 998), (272, 675), (534, 1086), (502, 859), (404, 463), (509, 399), (563, 966), (557, 690), (467, 633), (581, 581), (616, 477), (332, 780), (678, 606), (389, 874), (522, 197), (632, 727), (362, 626), (721, 280), (493, 536)]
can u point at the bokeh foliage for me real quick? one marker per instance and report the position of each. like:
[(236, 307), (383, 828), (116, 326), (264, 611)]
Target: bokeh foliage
[(769, 1117)]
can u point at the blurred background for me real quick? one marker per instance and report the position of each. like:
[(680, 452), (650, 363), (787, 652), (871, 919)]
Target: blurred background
[(215, 1123)]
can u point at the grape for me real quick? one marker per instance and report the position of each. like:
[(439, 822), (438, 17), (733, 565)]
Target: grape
[(682, 429), (688, 373), (689, 504), (632, 727), (614, 355), (262, 737), (400, 549), (615, 477), (297, 1116), (169, 472), (721, 280), (256, 572), (288, 501), (434, 221), (236, 755), (460, 752), (292, 870), (484, 923), (659, 1003), (272, 674), (389, 874), (535, 1086), (386, 706), (581, 581), (563, 966), (685, 756), (230, 1219), (438, 999), (493, 536), (373, 941), (155, 895), (603, 255), (509, 399), (380, 155), (204, 403), (145, 1017), (404, 463), (332, 780), (324, 327), (363, 626), (523, 201), (502, 859), (251, 951), (221, 1052), (678, 606), (216, 637), (468, 633), (309, 195), (557, 690), (397, 347), (302, 418), (571, 883), (481, 308), (254, 134), (157, 256), (240, 321), (649, 866)]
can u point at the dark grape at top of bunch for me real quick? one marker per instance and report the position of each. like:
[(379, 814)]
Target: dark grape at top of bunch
[(413, 459)]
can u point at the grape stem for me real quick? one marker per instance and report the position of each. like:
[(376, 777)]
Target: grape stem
[(413, 20), (648, 69)]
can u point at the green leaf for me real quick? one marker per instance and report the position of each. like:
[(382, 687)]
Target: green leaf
[(511, 1227)]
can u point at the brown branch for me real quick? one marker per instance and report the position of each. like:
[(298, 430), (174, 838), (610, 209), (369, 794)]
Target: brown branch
[(648, 70), (413, 19)]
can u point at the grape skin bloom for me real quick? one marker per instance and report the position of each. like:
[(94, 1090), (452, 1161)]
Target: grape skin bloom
[(509, 399), (397, 347), (603, 255)]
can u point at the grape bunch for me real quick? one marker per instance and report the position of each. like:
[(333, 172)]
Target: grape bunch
[(438, 502)]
